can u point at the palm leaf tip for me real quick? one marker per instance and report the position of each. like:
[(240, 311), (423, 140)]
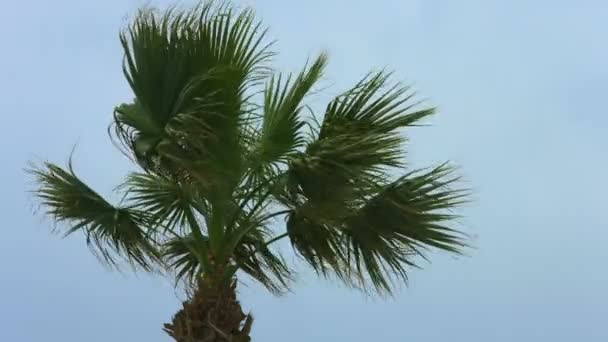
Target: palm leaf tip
[(282, 121), (375, 103), (111, 232), (408, 217)]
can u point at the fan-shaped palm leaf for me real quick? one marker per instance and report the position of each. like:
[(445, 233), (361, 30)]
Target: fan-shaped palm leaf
[(405, 218), (110, 231), (190, 73)]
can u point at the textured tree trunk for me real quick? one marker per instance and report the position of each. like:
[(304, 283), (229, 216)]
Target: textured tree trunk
[(212, 314)]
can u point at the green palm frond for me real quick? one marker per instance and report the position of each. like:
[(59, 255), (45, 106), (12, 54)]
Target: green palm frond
[(255, 257), (190, 72), (341, 180), (110, 231), (280, 133), (175, 208), (380, 239), (171, 204), (184, 255), (318, 242), (409, 216), (372, 106), (252, 256), (246, 240), (358, 140)]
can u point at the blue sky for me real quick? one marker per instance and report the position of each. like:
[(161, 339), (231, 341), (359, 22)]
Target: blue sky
[(520, 86)]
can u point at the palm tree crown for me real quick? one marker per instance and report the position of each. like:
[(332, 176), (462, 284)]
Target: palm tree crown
[(227, 147)]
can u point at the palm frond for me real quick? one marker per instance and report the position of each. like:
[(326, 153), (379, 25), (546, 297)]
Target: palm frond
[(280, 133), (184, 255), (172, 204), (246, 241), (111, 231), (372, 106), (251, 256), (190, 71), (254, 257), (319, 243), (409, 216), (347, 216), (376, 242), (358, 140)]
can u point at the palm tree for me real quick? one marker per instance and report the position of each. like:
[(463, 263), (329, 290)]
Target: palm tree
[(225, 147)]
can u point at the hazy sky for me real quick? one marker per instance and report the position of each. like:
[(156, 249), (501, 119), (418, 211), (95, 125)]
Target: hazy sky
[(521, 86)]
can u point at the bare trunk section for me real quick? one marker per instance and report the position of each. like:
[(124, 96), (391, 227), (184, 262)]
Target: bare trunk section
[(212, 314)]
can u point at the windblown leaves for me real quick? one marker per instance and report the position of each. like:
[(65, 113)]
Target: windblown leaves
[(171, 203), (379, 240), (111, 231), (404, 219), (282, 121), (217, 167), (190, 72), (348, 215)]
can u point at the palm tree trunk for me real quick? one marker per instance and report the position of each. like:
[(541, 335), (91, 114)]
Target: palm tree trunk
[(212, 314)]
